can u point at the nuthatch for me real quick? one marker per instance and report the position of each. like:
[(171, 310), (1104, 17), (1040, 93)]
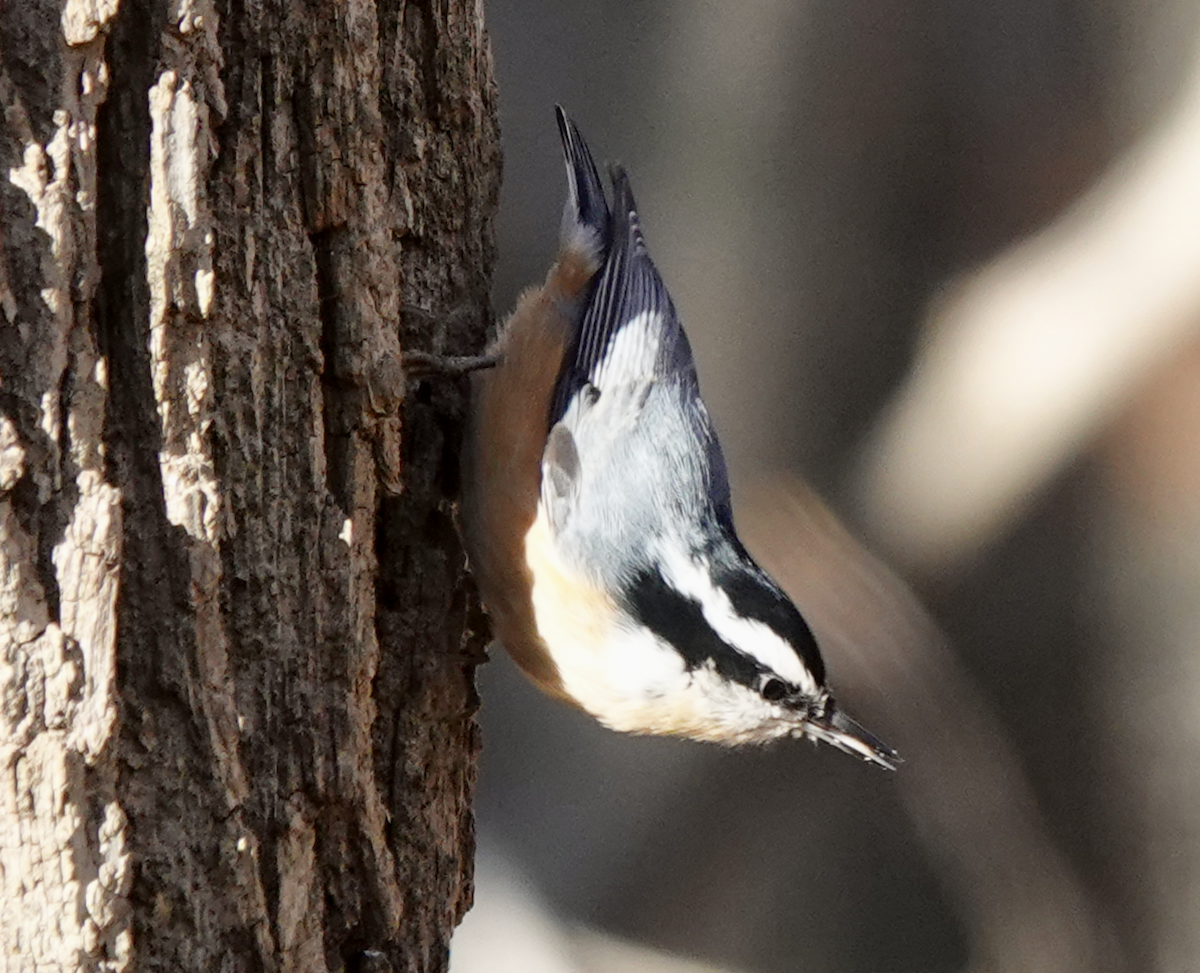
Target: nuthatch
[(596, 510)]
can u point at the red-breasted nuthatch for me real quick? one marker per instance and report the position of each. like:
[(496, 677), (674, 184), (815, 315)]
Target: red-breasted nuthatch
[(596, 510)]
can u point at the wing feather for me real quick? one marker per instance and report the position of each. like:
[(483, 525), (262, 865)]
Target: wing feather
[(630, 331)]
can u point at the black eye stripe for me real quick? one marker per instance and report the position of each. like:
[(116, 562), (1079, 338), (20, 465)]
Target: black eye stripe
[(757, 597), (679, 620)]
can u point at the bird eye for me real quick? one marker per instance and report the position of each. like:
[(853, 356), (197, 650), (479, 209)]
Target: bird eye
[(774, 690)]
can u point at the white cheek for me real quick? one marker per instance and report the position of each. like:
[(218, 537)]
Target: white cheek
[(638, 684), (736, 714), (629, 681)]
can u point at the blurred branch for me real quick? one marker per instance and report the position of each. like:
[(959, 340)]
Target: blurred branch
[(1025, 360), (962, 784), (511, 930), (1145, 602)]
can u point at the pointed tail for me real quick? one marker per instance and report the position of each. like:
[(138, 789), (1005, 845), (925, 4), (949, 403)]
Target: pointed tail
[(585, 222)]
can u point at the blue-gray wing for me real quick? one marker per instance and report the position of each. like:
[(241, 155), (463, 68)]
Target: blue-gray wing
[(631, 361), (629, 302)]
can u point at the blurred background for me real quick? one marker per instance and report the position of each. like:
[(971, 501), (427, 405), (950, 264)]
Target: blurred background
[(940, 265)]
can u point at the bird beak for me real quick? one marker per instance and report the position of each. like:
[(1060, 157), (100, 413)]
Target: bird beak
[(837, 729)]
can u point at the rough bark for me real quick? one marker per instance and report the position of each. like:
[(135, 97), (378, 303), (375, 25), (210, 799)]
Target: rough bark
[(235, 693)]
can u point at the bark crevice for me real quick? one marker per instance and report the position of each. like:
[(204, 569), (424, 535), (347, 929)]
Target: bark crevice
[(201, 419)]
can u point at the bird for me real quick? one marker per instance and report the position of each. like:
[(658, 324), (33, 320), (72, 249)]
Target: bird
[(596, 511)]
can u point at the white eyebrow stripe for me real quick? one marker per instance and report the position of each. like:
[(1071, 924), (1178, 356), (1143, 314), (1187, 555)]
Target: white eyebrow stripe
[(756, 639)]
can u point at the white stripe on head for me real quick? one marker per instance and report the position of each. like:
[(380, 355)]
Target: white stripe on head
[(756, 639)]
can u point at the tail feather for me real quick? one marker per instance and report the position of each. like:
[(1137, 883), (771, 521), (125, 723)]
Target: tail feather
[(628, 288), (585, 216)]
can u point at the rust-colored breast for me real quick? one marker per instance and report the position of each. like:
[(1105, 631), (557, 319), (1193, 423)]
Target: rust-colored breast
[(506, 434)]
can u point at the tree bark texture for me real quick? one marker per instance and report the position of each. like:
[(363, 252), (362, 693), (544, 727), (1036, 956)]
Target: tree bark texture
[(236, 703)]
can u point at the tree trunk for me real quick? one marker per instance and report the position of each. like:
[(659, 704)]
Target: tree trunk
[(236, 699)]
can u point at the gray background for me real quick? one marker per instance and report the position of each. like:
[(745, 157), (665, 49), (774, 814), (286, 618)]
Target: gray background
[(810, 176)]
